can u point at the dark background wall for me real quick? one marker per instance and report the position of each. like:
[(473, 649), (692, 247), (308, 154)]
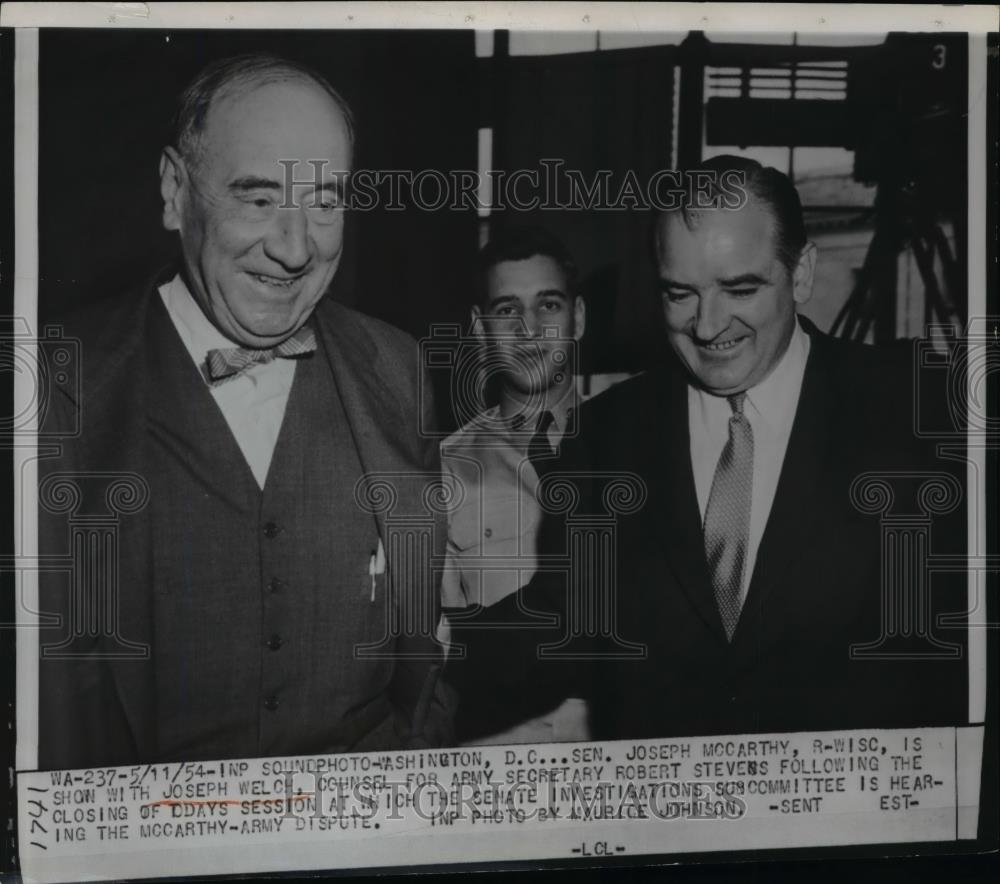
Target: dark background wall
[(611, 112)]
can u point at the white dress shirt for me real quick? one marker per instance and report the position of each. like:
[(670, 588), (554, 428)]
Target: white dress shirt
[(770, 407), (253, 403)]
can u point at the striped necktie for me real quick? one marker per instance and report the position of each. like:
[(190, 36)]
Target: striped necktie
[(229, 363), (727, 517)]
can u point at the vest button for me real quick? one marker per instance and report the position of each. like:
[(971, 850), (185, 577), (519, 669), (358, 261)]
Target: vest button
[(271, 703), (274, 642), (271, 530), (275, 585), (488, 532)]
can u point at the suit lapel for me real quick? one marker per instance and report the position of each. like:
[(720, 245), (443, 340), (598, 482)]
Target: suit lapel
[(370, 407), (684, 544), (114, 394), (798, 499)]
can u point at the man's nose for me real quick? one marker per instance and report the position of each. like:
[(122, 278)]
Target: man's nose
[(529, 326), (712, 317), (288, 241), (540, 324)]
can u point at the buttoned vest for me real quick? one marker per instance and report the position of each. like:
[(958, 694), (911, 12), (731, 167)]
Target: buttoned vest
[(261, 596)]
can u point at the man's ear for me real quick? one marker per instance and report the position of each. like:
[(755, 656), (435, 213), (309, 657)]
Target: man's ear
[(173, 181), (579, 317), (802, 280)]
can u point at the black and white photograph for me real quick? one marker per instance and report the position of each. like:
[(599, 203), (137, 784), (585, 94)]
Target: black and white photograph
[(445, 437)]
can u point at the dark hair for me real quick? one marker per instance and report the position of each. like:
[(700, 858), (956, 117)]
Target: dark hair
[(518, 243), (768, 186), (231, 74)]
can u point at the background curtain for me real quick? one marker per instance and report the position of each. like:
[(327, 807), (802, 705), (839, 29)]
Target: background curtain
[(595, 110)]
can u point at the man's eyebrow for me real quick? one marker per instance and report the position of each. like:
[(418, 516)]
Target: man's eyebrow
[(254, 182), (744, 279), (502, 299), (248, 183), (551, 293), (667, 283)]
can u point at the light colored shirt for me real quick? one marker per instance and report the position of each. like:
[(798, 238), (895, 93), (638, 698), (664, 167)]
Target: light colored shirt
[(498, 514), (493, 534), (253, 403), (770, 407)]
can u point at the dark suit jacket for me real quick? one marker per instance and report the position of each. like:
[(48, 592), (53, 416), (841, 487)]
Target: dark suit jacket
[(816, 590), (95, 711)]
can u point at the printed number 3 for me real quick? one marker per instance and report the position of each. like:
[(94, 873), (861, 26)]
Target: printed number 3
[(940, 51)]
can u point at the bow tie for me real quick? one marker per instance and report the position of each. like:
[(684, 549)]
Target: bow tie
[(226, 364)]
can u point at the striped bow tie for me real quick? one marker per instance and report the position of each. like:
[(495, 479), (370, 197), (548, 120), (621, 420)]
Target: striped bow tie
[(226, 364)]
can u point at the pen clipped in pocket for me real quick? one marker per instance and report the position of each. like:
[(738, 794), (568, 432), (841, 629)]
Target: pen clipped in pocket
[(376, 567)]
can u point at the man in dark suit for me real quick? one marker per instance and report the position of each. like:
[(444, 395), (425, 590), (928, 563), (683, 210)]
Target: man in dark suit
[(750, 586), (239, 413)]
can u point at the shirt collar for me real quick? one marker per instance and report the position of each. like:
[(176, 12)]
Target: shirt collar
[(561, 412), (197, 333), (777, 393)]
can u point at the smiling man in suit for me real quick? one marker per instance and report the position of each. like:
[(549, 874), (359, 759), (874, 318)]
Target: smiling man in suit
[(749, 589), (251, 407)]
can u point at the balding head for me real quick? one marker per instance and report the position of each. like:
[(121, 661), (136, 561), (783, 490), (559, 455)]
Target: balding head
[(229, 78)]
